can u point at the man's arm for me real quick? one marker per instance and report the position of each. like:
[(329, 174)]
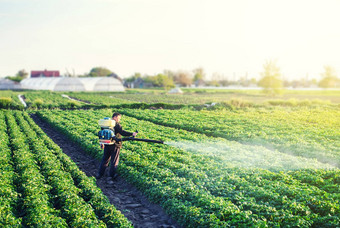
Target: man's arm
[(119, 129)]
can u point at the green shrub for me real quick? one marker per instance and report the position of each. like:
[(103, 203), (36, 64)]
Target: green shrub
[(73, 104), (200, 91), (37, 103), (232, 104), (293, 102), (321, 102), (240, 103), (6, 102), (305, 103)]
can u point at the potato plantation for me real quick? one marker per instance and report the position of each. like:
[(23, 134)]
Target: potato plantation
[(233, 164)]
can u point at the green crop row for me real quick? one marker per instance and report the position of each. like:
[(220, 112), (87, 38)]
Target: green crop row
[(54, 191), (121, 100), (201, 190), (89, 190), (224, 99), (9, 100), (48, 99), (311, 133), (103, 98), (35, 203), (326, 180), (51, 100), (9, 195), (111, 99)]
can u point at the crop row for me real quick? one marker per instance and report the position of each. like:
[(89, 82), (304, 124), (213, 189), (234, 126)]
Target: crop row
[(311, 133), (200, 190), (9, 99), (89, 191), (327, 180), (118, 98), (36, 203), (54, 191), (36, 206), (224, 99), (100, 98), (9, 195), (48, 99)]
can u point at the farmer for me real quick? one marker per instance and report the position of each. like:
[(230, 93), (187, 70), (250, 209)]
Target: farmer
[(111, 152)]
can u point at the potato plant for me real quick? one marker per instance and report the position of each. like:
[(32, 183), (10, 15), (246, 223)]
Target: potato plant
[(46, 186), (311, 133), (201, 190)]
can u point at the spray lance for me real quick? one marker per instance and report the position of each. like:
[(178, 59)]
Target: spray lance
[(107, 135)]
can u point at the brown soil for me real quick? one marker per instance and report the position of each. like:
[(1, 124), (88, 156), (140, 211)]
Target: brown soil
[(124, 196)]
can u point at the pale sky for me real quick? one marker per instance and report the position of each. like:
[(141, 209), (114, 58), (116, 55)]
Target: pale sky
[(231, 38)]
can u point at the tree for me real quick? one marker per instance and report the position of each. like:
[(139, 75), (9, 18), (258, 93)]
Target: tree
[(183, 78), (134, 77), (161, 80), (99, 72), (171, 74), (22, 74), (271, 81), (329, 78), (199, 74)]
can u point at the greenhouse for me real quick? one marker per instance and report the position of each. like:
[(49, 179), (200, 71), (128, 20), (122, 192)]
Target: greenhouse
[(73, 84), (8, 84)]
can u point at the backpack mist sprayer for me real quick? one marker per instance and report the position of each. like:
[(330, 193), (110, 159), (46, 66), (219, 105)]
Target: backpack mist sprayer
[(107, 135)]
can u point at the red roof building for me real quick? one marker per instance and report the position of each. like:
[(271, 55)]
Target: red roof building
[(44, 73)]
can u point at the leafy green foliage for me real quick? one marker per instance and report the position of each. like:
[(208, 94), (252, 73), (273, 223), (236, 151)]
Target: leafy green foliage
[(22, 74), (161, 80), (271, 78), (9, 195), (5, 102), (311, 133), (31, 183), (99, 72), (329, 78), (51, 190), (201, 190)]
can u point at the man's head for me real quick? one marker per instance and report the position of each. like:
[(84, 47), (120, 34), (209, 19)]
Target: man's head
[(116, 117)]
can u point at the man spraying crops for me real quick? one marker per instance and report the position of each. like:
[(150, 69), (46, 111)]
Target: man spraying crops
[(111, 151)]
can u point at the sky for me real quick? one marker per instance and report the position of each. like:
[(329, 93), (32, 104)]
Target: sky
[(227, 38)]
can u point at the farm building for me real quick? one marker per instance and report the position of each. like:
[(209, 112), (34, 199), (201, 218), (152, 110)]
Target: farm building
[(9, 84), (138, 83), (73, 84), (44, 73)]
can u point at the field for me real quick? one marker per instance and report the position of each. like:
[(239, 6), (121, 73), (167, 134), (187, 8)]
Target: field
[(256, 162)]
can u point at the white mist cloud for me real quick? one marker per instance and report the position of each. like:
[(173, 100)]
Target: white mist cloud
[(249, 156)]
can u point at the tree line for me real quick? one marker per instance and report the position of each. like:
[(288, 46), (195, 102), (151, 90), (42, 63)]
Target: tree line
[(271, 79)]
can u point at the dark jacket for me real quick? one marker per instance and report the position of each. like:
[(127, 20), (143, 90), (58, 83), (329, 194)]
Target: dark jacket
[(120, 132)]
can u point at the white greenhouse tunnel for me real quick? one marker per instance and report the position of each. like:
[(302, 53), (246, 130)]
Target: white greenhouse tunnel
[(73, 84)]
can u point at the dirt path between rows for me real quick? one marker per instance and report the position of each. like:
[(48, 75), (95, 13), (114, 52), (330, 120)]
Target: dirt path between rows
[(124, 196)]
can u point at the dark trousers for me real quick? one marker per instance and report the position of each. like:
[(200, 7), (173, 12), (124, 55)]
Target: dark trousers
[(111, 152)]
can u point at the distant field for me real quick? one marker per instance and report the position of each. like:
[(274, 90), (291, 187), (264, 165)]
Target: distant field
[(189, 97), (199, 96)]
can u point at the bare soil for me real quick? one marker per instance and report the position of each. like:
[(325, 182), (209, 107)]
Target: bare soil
[(124, 196)]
